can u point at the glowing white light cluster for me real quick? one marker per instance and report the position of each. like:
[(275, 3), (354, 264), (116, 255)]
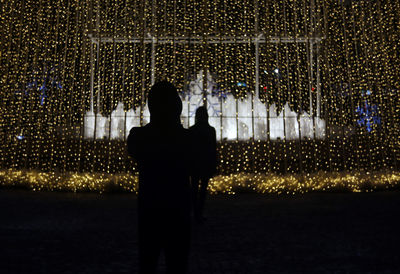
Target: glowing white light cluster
[(233, 119)]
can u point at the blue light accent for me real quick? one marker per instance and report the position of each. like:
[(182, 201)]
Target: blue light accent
[(368, 116), (219, 93), (42, 84), (42, 97), (20, 137)]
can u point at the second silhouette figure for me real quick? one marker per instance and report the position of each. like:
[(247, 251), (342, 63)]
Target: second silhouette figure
[(205, 160)]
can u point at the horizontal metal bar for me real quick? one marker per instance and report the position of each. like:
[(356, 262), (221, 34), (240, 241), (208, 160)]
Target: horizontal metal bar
[(206, 40)]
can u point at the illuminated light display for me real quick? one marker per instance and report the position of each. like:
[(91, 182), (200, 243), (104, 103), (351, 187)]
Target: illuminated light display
[(249, 123), (228, 184), (289, 95)]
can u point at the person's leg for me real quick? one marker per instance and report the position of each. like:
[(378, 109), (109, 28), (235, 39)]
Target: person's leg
[(149, 246), (148, 258), (202, 196), (178, 246), (195, 196)]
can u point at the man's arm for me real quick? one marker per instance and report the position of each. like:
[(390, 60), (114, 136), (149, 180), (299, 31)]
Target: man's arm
[(132, 143), (214, 151)]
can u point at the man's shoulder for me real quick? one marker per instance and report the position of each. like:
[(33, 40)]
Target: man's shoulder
[(187, 132), (193, 130), (203, 129), (144, 128), (211, 128), (136, 130), (139, 132)]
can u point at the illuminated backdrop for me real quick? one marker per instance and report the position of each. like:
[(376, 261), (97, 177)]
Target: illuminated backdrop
[(293, 86)]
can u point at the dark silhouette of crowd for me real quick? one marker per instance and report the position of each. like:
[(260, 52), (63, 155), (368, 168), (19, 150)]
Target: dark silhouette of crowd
[(175, 165)]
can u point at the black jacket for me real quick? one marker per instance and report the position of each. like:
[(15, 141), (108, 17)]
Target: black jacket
[(205, 149), (162, 155)]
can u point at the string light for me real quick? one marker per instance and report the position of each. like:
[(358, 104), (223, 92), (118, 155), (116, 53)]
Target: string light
[(228, 184), (62, 59)]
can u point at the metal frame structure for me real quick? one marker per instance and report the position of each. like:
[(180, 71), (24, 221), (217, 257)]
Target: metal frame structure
[(256, 39)]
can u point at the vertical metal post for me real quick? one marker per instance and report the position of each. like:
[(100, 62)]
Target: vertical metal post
[(153, 60), (257, 81), (91, 76), (99, 78), (318, 85), (98, 58), (143, 59), (311, 76), (257, 45), (205, 72), (257, 64)]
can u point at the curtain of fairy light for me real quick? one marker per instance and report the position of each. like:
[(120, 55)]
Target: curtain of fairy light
[(48, 64)]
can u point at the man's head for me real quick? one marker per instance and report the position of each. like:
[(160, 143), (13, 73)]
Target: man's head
[(165, 105), (201, 115)]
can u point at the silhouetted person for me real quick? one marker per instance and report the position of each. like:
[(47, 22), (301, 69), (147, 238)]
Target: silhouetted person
[(205, 161), (162, 150)]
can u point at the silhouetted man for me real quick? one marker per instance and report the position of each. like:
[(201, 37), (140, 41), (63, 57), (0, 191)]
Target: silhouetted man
[(205, 160), (162, 149)]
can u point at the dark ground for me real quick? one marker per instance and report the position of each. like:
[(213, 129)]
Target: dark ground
[(246, 233)]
